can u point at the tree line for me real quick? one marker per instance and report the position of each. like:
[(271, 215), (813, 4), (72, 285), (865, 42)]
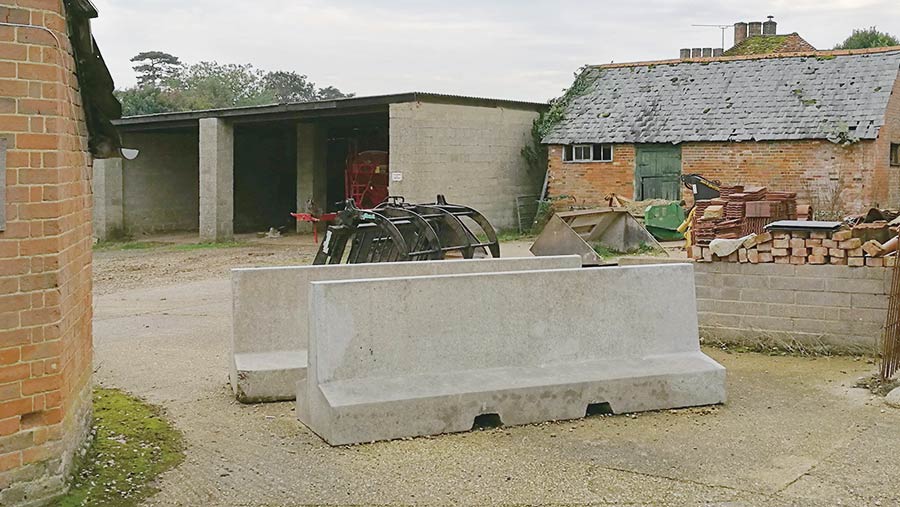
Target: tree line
[(166, 84)]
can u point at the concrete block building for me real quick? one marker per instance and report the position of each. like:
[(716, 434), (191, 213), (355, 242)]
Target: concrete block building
[(246, 169), (824, 124), (55, 105)]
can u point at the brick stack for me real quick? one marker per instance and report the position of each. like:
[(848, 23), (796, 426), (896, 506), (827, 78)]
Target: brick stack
[(801, 247), (746, 210)]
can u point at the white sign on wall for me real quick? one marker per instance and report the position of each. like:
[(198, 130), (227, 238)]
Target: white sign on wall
[(396, 176)]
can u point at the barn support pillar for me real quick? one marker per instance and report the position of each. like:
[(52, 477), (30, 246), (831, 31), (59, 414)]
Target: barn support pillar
[(109, 217), (311, 178), (216, 180)]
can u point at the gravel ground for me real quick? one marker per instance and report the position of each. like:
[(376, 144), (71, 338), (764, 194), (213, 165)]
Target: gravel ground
[(794, 432)]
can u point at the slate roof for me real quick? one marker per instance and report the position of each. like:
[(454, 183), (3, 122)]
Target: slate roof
[(774, 98)]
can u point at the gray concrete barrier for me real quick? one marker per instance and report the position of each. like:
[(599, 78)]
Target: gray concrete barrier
[(521, 347), (269, 340)]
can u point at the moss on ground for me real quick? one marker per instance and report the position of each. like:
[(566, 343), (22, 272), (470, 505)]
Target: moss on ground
[(132, 445)]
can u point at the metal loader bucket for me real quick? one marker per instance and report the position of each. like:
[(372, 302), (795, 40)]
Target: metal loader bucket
[(396, 231), (575, 232)]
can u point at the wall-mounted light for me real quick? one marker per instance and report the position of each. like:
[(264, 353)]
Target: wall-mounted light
[(129, 153)]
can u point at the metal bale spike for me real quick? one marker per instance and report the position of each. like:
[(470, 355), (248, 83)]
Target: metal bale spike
[(397, 231)]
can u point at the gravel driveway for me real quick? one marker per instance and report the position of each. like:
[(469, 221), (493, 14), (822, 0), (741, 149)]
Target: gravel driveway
[(794, 431)]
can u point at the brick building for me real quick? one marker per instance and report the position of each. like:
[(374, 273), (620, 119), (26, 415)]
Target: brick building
[(824, 124), (53, 116)]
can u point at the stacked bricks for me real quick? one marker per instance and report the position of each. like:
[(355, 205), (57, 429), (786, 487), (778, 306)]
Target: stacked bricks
[(800, 247), (45, 257), (740, 211)]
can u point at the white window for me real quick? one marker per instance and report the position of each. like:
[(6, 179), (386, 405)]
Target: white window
[(581, 153), (588, 153)]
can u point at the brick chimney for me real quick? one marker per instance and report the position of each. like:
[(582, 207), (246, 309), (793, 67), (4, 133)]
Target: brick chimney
[(770, 26), (740, 32), (754, 28)]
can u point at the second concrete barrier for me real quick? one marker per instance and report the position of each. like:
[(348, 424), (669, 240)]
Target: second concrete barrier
[(269, 340), (449, 351)]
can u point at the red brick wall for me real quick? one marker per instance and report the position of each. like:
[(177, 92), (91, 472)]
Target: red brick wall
[(590, 182), (45, 256), (820, 171), (890, 133), (827, 175)]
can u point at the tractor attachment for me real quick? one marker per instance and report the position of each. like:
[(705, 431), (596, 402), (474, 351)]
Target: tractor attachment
[(396, 231)]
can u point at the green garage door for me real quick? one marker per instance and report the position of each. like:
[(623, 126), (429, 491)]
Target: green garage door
[(657, 172)]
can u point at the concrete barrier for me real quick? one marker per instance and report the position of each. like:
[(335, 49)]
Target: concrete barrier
[(525, 347), (270, 324)]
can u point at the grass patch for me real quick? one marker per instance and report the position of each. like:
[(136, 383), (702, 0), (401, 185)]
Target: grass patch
[(774, 346), (127, 245), (513, 235), (605, 252), (132, 445), (207, 246)]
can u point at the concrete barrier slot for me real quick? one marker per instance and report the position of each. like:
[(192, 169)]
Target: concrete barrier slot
[(487, 421), (450, 346), (598, 409), (268, 353)]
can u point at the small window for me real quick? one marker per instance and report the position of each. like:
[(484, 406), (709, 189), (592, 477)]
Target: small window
[(581, 153), (895, 154), (603, 153), (588, 153)]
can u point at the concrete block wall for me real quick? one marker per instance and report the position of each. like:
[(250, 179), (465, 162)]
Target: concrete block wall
[(45, 258), (162, 186), (470, 154), (841, 307)]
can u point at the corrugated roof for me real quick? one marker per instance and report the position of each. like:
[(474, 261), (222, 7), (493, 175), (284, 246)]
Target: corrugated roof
[(798, 97), (306, 109)]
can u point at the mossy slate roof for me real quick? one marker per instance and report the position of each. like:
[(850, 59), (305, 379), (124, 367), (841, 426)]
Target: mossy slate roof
[(799, 97)]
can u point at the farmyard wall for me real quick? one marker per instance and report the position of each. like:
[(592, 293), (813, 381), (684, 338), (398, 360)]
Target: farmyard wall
[(841, 307)]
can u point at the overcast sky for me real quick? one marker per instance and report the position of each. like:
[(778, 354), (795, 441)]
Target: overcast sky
[(526, 49)]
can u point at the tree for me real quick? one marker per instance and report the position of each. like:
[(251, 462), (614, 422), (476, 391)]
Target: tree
[(330, 92), (150, 100), (165, 84), (211, 85), (289, 87), (868, 38), (156, 68), (293, 87)]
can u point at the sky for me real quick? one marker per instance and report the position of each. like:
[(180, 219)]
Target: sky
[(523, 50)]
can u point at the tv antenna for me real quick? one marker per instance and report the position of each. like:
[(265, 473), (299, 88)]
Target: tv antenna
[(720, 27)]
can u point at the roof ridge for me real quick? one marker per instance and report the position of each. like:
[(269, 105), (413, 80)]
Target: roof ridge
[(770, 56)]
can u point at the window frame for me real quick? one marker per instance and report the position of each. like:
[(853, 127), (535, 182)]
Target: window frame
[(582, 147), (595, 150), (895, 155)]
